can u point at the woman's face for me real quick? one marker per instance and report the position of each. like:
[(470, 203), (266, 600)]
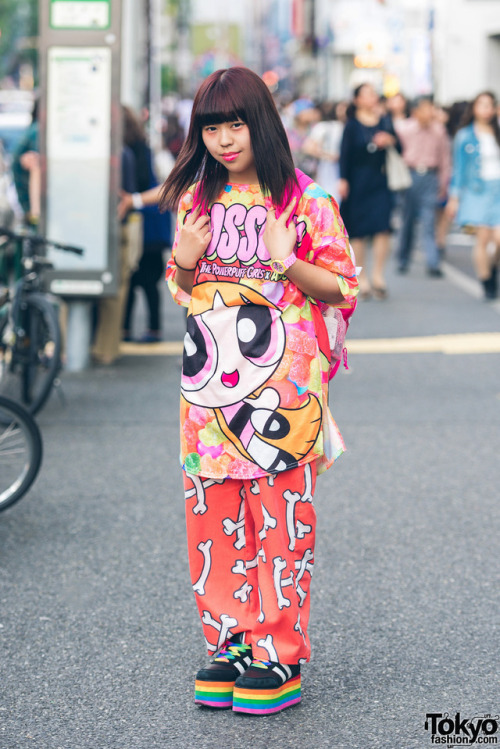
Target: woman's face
[(397, 105), (230, 144), (484, 108), (367, 98)]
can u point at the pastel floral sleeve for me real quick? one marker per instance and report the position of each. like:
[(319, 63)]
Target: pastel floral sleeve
[(179, 296), (330, 247)]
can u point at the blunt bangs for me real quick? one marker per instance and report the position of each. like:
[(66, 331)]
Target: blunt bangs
[(220, 103)]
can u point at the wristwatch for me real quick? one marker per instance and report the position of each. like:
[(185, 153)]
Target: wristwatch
[(280, 266), (137, 202)]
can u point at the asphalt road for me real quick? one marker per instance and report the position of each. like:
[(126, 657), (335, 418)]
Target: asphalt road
[(99, 634)]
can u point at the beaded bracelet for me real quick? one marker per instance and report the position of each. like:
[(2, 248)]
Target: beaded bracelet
[(187, 270)]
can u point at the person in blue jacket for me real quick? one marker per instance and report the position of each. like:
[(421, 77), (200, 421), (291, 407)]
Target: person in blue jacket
[(156, 235), (475, 185)]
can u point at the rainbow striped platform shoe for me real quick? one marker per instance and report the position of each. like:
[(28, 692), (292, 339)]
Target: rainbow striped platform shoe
[(266, 687), (214, 684)]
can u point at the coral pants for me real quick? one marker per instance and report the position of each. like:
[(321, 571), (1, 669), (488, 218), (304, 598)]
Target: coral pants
[(251, 555)]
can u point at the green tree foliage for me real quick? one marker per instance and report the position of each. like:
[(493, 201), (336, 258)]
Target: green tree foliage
[(18, 35)]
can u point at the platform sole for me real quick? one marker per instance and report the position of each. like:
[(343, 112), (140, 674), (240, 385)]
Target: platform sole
[(218, 694), (267, 701)]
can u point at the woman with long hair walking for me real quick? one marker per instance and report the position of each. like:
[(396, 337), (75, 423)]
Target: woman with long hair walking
[(475, 185), (366, 201)]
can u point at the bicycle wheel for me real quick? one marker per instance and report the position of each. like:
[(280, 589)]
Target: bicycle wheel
[(30, 364), (20, 452)]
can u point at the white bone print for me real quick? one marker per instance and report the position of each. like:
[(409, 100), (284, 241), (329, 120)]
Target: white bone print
[(237, 526), (223, 627), (302, 529), (239, 568), (244, 592), (298, 628), (261, 616), (198, 489), (268, 645), (255, 488), (269, 522), (204, 547), (291, 499), (302, 566), (280, 582), (253, 562)]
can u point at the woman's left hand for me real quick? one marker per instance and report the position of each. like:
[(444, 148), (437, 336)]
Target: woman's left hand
[(383, 139), (279, 238)]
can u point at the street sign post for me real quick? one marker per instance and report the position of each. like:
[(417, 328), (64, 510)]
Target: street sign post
[(80, 138)]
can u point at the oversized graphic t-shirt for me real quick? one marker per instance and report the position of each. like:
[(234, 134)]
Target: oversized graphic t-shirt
[(254, 386)]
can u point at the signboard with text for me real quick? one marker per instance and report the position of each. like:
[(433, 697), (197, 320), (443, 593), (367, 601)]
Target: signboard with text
[(80, 14), (81, 142)]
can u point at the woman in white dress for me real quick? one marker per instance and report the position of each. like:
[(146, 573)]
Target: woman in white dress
[(323, 143)]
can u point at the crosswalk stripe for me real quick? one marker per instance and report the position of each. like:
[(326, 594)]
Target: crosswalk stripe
[(451, 344)]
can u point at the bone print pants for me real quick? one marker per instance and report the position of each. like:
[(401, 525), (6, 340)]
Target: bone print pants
[(251, 554)]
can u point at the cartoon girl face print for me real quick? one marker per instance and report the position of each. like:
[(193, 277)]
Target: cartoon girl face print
[(232, 348)]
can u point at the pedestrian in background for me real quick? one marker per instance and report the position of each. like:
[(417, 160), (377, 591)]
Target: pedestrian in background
[(451, 118), (366, 201), (256, 428), (323, 144), (398, 108), (110, 310), (305, 116), (155, 235), (475, 185), (426, 151), (26, 170)]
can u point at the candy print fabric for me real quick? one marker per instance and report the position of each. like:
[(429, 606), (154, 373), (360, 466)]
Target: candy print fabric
[(254, 386)]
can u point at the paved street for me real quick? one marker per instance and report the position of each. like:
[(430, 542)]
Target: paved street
[(99, 634)]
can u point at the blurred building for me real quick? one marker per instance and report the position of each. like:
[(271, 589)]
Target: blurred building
[(324, 48), (467, 48), (386, 42), (320, 48)]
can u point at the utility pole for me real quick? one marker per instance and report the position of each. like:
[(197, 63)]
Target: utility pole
[(154, 74)]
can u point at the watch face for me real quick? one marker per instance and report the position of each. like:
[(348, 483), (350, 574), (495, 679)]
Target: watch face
[(278, 266)]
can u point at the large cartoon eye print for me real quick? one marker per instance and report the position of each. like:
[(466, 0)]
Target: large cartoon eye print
[(200, 355), (230, 349), (259, 339)]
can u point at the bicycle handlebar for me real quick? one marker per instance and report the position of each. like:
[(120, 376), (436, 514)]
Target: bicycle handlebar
[(39, 240)]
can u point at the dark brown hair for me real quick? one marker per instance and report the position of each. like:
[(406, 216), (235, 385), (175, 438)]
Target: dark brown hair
[(351, 109), (226, 96), (133, 130), (469, 114)]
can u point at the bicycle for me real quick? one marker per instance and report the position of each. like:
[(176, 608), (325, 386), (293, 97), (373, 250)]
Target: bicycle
[(20, 452), (30, 336)]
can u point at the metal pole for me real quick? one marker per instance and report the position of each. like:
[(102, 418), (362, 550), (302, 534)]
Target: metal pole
[(154, 92), (78, 335)]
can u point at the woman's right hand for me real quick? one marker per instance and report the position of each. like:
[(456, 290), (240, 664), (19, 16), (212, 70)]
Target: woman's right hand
[(194, 238), (124, 204), (343, 188), (451, 208)]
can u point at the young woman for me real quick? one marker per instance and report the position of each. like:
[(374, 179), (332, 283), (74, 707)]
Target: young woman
[(323, 143), (475, 185), (255, 424), (366, 201), (155, 234)]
